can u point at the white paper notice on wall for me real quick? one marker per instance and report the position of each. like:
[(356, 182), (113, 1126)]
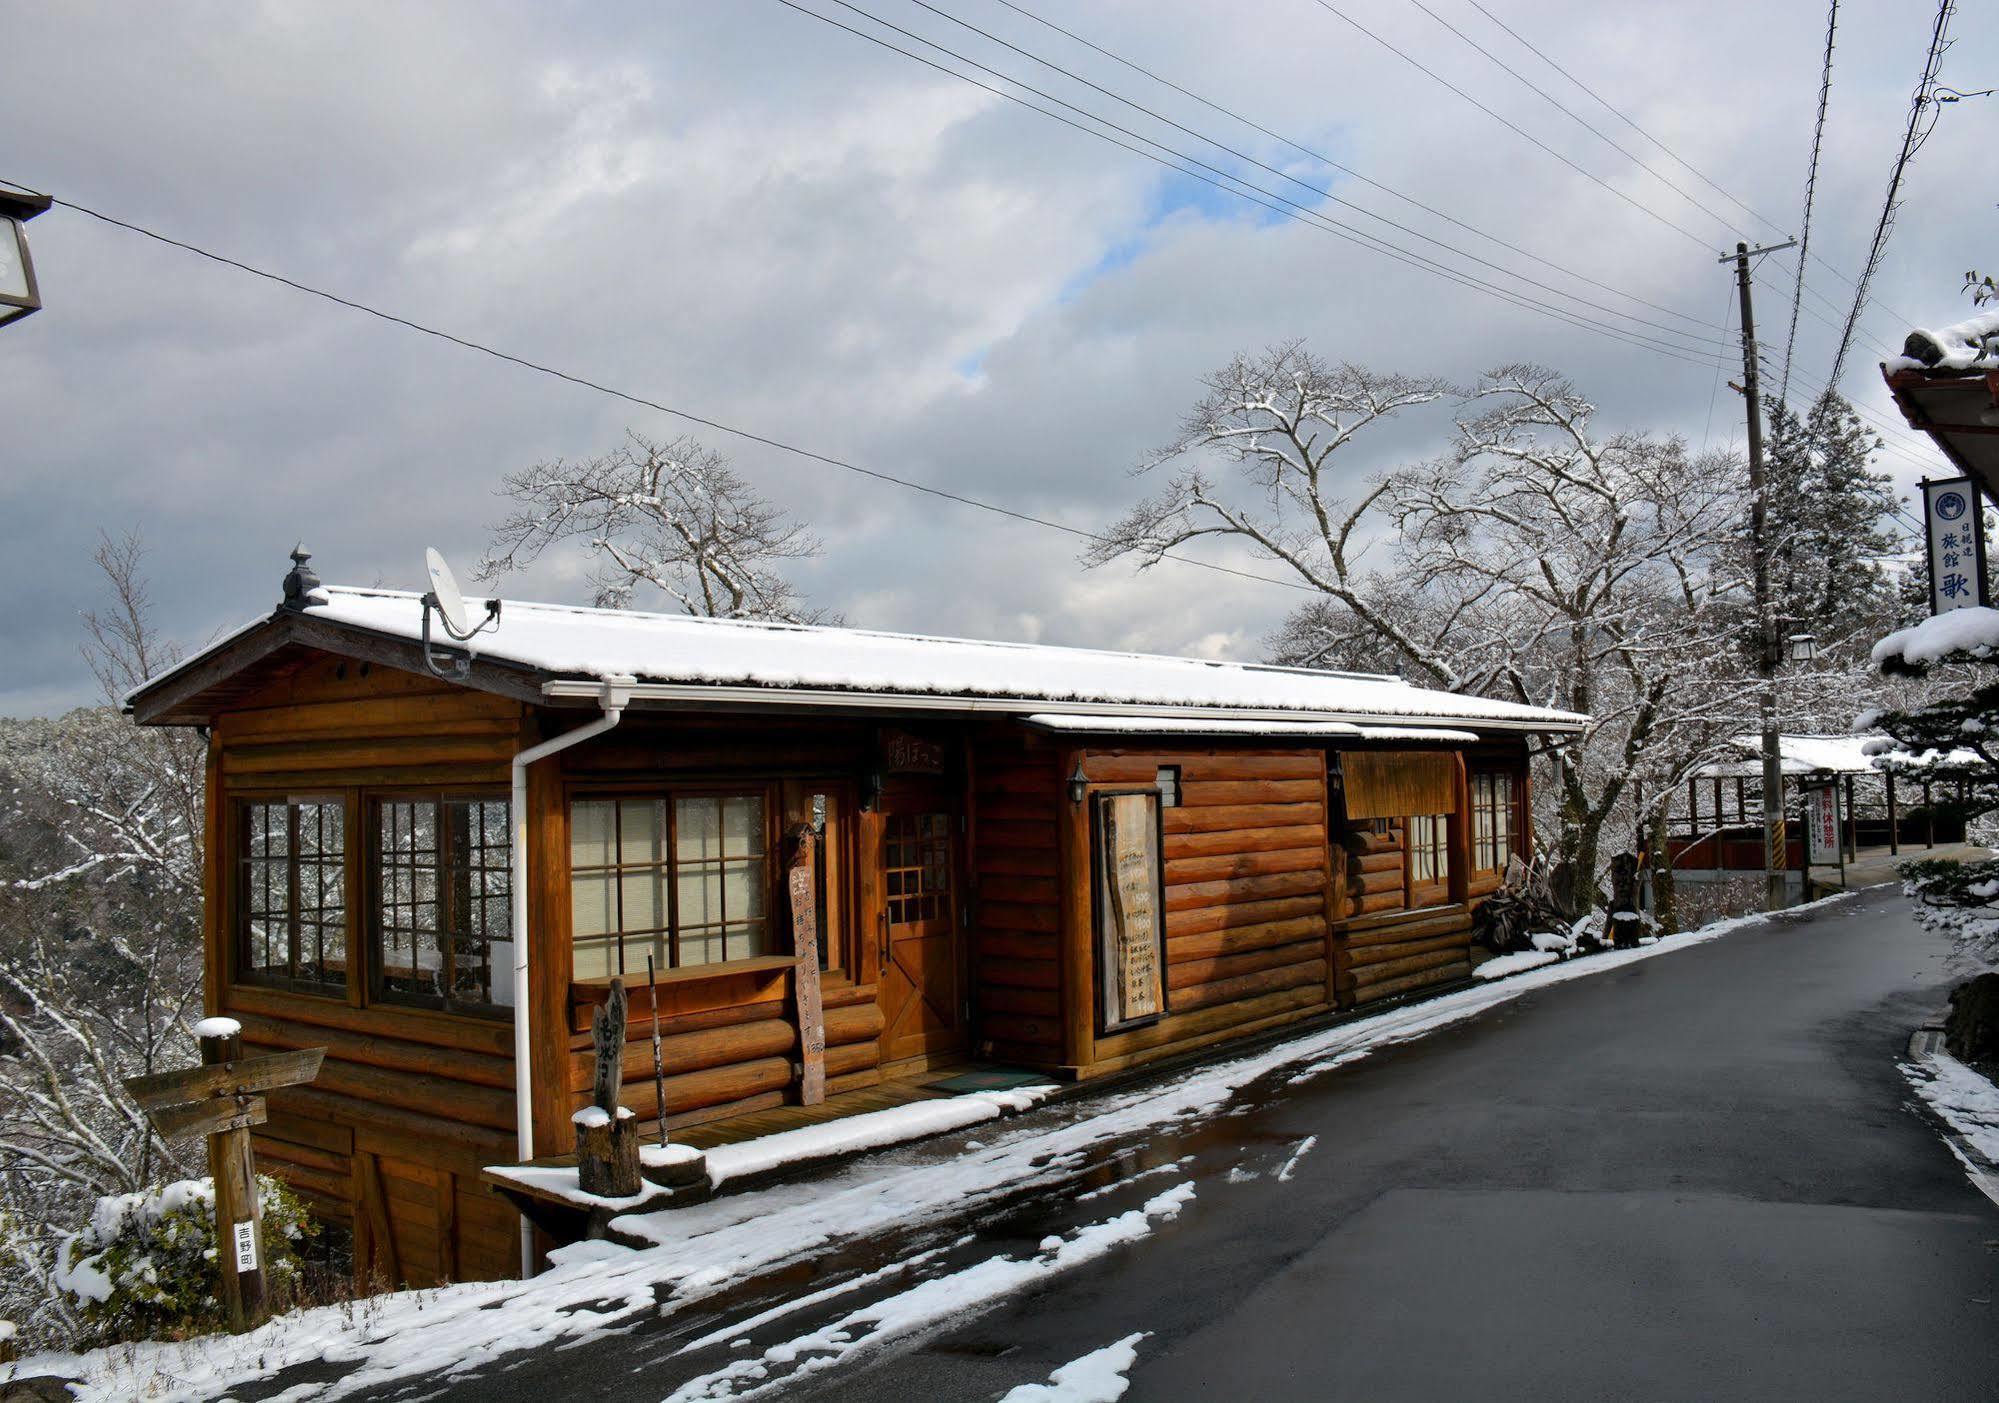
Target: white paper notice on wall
[(246, 1247)]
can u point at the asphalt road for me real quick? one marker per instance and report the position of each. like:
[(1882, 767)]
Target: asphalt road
[(1700, 1176)]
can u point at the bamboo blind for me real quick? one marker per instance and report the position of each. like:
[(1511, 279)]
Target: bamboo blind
[(1399, 783)]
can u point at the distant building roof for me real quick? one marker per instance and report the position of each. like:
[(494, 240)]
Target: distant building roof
[(556, 649), (1826, 755)]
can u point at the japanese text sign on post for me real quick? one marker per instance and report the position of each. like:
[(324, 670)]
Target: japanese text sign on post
[(1954, 526), (1822, 824)]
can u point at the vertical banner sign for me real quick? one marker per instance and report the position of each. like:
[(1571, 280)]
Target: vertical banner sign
[(1954, 526), (1130, 920), (805, 945), (1822, 824)]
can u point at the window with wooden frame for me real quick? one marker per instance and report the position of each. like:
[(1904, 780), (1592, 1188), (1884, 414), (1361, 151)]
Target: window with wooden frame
[(442, 935), (291, 894), (683, 877), (1429, 841), (1495, 816)]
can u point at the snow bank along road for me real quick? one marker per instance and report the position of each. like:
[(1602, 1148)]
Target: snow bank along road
[(1696, 1175)]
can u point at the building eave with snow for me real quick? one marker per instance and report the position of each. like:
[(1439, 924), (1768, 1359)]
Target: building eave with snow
[(850, 860)]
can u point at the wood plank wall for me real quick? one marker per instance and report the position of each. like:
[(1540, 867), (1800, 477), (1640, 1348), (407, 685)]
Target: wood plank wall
[(1016, 924), (1246, 893), (410, 1103)]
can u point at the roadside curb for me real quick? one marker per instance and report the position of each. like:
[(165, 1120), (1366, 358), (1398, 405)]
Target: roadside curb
[(1926, 1050)]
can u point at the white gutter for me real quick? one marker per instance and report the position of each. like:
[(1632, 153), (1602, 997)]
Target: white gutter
[(719, 694), (612, 695)]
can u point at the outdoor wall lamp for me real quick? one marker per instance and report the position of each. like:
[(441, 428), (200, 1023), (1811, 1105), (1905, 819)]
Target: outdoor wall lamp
[(1804, 647), (1079, 784), (18, 294)]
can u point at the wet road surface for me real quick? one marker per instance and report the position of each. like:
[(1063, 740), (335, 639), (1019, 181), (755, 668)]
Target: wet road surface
[(1698, 1176)]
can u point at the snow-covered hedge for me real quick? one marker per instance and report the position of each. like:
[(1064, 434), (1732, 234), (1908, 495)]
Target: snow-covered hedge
[(144, 1266)]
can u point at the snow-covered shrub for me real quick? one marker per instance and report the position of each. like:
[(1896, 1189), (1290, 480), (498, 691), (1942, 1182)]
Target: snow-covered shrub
[(145, 1266)]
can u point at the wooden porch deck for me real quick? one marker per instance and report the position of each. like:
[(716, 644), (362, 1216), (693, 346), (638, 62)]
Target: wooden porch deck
[(899, 1091)]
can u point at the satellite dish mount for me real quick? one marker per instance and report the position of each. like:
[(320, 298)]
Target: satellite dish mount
[(445, 599)]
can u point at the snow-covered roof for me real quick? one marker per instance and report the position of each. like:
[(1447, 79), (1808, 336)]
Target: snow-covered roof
[(677, 658), (1834, 755)]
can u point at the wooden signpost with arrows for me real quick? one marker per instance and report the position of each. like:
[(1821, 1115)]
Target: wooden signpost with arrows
[(220, 1099)]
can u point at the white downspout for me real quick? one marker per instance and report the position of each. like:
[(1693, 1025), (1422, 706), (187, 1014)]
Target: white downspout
[(616, 693)]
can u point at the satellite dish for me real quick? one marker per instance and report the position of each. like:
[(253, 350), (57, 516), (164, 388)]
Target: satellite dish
[(444, 661), (444, 591)]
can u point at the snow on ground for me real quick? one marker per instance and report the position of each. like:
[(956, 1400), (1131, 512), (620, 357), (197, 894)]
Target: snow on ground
[(867, 1132), (1499, 966), (593, 1288), (925, 1304), (1304, 1147), (1969, 1104), (1097, 1377)]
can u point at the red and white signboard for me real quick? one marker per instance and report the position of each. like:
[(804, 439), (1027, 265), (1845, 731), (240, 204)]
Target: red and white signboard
[(1822, 823)]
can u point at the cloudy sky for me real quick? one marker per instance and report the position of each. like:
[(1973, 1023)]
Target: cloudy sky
[(733, 208)]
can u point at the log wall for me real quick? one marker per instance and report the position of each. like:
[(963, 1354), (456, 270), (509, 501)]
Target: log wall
[(1247, 887), (1017, 914), (410, 1103)]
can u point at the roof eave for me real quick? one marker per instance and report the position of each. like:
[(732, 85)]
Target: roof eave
[(579, 690)]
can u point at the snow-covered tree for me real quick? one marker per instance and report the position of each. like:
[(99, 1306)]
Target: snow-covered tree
[(1535, 559), (1282, 423), (673, 517), (100, 949)]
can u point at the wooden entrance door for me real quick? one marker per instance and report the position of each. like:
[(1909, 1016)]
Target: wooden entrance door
[(922, 975)]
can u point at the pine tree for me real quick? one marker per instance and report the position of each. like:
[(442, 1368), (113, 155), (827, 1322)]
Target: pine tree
[(1829, 525)]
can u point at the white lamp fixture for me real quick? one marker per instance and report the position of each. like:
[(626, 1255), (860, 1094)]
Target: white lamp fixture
[(1804, 647), (19, 295)]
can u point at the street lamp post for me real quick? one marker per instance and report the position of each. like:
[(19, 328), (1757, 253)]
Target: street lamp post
[(19, 296)]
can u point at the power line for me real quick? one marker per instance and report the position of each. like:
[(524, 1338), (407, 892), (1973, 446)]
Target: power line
[(1628, 121), (1913, 137), (1237, 186), (1811, 187), (1259, 164), (1522, 132), (1575, 117), (747, 435), (1346, 170)]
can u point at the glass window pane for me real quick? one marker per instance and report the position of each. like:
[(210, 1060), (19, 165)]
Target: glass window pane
[(742, 826), (641, 831), (697, 829), (590, 825), (644, 900), (700, 894), (743, 891), (591, 910), (700, 948)]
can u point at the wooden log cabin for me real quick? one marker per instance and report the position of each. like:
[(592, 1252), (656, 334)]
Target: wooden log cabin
[(1045, 858)]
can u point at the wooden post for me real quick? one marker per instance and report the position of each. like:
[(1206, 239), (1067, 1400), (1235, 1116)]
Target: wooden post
[(805, 972), (218, 1099), (1929, 814), (607, 1136), (1894, 833), (1852, 824), (1624, 923), (239, 1215)]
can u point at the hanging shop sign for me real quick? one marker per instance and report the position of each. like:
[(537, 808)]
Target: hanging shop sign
[(905, 754), (1954, 528), (1131, 904)]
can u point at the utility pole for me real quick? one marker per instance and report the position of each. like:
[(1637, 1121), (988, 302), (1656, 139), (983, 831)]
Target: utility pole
[(1775, 846)]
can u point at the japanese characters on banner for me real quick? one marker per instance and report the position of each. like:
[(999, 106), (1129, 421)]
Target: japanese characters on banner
[(1954, 522), (1822, 824)]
